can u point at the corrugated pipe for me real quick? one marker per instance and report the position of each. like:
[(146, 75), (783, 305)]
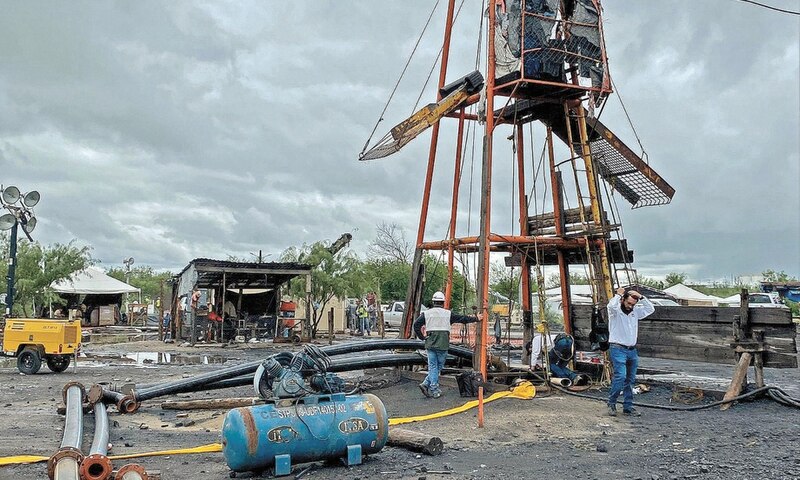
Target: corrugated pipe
[(63, 465), (97, 466)]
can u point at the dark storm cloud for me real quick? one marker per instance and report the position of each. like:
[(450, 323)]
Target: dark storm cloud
[(207, 129)]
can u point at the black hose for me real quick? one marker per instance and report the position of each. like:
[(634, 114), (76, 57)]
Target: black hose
[(201, 382), (339, 365), (789, 401)]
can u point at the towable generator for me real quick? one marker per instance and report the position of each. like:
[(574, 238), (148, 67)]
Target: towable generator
[(33, 340)]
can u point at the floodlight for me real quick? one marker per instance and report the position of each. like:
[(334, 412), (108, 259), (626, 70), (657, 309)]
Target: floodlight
[(29, 225), (31, 199), (11, 194), (7, 221)]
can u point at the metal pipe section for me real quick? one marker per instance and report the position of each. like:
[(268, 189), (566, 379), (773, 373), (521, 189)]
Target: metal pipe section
[(131, 471), (97, 466), (63, 465)]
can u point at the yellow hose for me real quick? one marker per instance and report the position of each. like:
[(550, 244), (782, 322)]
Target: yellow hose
[(523, 391)]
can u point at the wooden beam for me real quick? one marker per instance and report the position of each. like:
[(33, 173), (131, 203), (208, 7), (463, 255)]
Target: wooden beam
[(273, 271), (702, 334), (415, 441), (739, 375)]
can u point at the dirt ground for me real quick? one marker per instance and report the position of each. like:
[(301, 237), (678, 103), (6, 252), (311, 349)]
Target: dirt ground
[(554, 435)]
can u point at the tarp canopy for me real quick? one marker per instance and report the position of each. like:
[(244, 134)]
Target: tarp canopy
[(683, 292), (92, 281)]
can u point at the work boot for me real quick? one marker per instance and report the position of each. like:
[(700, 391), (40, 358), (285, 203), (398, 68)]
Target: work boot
[(425, 390), (612, 410), (632, 412)]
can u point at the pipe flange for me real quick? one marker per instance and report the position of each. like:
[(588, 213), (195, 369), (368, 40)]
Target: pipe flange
[(129, 472), (73, 384), (95, 394), (63, 452), (96, 467), (127, 404)]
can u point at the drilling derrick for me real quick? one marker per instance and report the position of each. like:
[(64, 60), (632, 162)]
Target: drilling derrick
[(546, 61)]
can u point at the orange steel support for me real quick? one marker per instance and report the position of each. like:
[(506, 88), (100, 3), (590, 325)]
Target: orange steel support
[(486, 209), (563, 267), (454, 211), (525, 273), (426, 193)]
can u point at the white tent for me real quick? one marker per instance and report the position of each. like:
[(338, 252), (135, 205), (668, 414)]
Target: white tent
[(733, 300), (691, 296), (92, 281), (579, 294)]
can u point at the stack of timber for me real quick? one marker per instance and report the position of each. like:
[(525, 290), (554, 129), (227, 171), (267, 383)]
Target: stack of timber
[(702, 334)]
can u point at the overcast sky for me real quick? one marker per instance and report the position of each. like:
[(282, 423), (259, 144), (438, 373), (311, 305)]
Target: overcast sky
[(168, 131)]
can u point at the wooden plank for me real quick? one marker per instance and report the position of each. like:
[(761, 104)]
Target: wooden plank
[(670, 333), (757, 316), (572, 215)]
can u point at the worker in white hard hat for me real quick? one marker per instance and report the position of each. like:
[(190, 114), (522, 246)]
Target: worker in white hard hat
[(433, 326)]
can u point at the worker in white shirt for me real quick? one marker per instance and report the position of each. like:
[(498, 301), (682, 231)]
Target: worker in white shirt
[(624, 312)]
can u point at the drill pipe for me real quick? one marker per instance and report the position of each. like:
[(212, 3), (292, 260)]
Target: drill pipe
[(131, 402), (97, 465), (63, 465)]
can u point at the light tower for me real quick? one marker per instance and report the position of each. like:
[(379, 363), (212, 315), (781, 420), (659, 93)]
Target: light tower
[(20, 212)]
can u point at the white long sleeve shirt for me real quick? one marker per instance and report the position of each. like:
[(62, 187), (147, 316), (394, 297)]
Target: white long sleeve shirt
[(624, 328)]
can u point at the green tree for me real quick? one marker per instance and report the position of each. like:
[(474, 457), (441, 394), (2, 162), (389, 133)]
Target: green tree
[(463, 294), (651, 282), (773, 276), (339, 275), (674, 278), (143, 277), (390, 276), (37, 268), (574, 279), (504, 280)]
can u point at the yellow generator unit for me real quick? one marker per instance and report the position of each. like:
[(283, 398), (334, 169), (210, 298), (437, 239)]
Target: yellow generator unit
[(34, 340)]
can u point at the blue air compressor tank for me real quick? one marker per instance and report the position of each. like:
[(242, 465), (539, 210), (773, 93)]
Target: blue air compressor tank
[(306, 429)]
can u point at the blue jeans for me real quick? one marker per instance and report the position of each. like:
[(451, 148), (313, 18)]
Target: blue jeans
[(363, 325), (625, 362), (562, 372), (436, 360)]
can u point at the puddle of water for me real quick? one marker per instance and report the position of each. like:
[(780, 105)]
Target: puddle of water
[(154, 358)]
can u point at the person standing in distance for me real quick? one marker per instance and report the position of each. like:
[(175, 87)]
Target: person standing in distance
[(624, 312), (436, 321)]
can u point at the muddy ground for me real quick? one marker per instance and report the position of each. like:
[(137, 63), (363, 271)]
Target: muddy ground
[(552, 436)]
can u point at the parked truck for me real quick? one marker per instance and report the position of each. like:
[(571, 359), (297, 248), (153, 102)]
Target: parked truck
[(393, 314), (32, 341)]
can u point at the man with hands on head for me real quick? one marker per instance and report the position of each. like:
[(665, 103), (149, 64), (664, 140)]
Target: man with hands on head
[(625, 310)]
